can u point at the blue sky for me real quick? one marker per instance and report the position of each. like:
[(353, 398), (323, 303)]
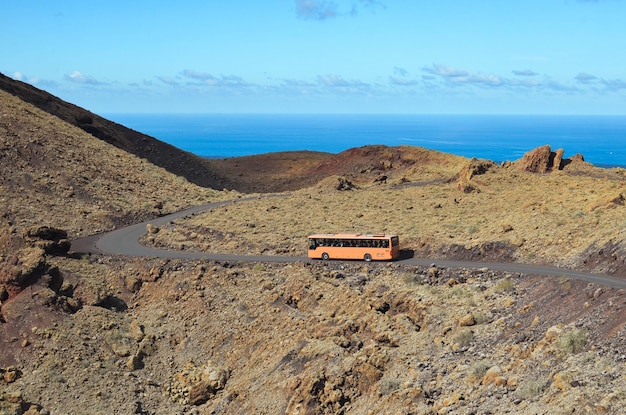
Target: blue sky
[(322, 56)]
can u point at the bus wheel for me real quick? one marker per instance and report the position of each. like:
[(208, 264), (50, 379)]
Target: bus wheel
[(367, 257), (325, 256)]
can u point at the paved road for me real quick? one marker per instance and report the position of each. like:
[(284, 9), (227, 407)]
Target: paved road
[(125, 241)]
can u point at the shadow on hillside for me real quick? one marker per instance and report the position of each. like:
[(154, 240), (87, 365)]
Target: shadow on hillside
[(406, 254), (113, 303)]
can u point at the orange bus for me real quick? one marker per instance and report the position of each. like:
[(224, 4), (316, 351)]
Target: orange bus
[(354, 246)]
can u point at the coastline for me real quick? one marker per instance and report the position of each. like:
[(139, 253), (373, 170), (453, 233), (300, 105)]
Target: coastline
[(600, 139)]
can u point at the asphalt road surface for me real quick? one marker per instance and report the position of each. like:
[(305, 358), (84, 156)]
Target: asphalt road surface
[(125, 241)]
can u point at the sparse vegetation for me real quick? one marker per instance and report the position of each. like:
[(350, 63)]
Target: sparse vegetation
[(478, 370), (411, 278), (573, 341), (530, 389), (234, 337), (504, 286), (388, 386), (464, 337), (559, 239)]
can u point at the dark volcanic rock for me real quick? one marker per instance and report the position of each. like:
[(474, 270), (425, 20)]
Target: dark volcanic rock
[(53, 241)]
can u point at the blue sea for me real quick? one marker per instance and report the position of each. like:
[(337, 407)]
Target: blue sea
[(600, 139)]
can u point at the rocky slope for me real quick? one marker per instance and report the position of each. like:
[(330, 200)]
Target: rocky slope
[(100, 334), (202, 338), (53, 170), (194, 169)]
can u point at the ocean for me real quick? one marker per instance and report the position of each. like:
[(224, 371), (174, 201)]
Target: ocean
[(600, 139)]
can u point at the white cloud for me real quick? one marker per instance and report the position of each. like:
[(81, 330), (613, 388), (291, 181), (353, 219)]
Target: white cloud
[(401, 77), (525, 72), (400, 71), (402, 81), (443, 75), (557, 86), (614, 84), (201, 76), (324, 9), (79, 78), (298, 83), (168, 80), (33, 80), (462, 77), (585, 78), (316, 10), (446, 71), (207, 79), (339, 83)]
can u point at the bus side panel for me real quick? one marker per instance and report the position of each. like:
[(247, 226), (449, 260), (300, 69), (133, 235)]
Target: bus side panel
[(380, 254)]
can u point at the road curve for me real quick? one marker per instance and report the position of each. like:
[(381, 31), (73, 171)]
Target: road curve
[(125, 241)]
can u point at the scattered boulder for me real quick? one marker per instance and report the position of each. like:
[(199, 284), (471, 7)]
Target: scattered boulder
[(474, 168), (22, 269), (467, 320), (577, 158), (335, 183), (10, 374), (135, 362), (344, 184), (12, 402), (196, 385), (554, 332), (152, 228), (494, 375), (562, 380)]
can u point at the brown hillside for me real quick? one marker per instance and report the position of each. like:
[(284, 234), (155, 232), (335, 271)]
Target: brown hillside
[(265, 173), (54, 174), (271, 172), (377, 160), (101, 334), (288, 171), (172, 159)]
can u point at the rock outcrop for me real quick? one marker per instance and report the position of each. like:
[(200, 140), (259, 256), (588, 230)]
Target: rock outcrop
[(474, 168), (53, 241), (544, 160)]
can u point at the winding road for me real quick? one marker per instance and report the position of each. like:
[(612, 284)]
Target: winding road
[(125, 241)]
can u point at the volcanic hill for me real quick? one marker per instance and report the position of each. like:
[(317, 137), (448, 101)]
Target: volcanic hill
[(99, 334)]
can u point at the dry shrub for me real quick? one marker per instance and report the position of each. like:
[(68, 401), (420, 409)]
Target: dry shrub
[(478, 369), (530, 389), (464, 337), (504, 286), (573, 341)]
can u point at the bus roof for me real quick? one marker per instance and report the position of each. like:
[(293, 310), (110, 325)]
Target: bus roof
[(352, 235)]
